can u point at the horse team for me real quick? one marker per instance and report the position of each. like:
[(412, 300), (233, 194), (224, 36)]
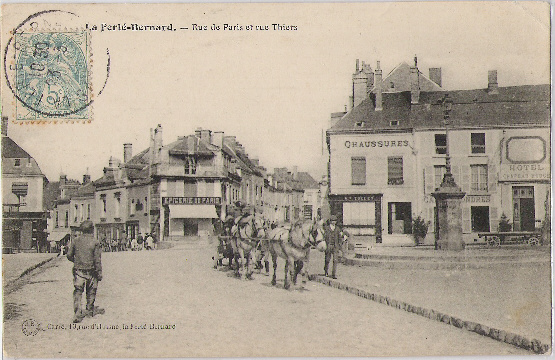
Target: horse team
[(248, 240)]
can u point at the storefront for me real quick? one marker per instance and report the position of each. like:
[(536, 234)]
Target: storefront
[(190, 216)]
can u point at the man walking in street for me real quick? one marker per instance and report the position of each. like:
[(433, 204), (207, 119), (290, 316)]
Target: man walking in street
[(332, 235), (85, 253)]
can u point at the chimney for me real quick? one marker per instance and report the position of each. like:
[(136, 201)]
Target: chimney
[(4, 125), (493, 87), (295, 173), (218, 138), (63, 179), (435, 75), (111, 162), (86, 179), (361, 82), (206, 135), (191, 144), (414, 85), (197, 132), (378, 84), (127, 152)]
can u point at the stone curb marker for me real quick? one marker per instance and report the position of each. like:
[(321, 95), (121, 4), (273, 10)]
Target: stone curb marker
[(500, 335)]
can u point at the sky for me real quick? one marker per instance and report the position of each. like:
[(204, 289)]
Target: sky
[(273, 90)]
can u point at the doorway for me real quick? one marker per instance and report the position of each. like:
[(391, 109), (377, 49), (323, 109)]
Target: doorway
[(190, 227), (524, 213)]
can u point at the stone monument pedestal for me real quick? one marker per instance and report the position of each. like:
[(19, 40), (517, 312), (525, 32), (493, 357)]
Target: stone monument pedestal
[(449, 214)]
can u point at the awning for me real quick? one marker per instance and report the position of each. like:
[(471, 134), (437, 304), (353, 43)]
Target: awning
[(193, 212), (58, 235)]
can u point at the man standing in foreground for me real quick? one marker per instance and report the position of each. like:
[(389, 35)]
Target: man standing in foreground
[(85, 253), (332, 235)]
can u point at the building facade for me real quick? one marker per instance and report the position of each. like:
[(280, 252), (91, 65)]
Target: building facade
[(23, 213), (387, 156)]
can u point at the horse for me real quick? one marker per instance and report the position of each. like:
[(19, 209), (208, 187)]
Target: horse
[(294, 245), (246, 234)]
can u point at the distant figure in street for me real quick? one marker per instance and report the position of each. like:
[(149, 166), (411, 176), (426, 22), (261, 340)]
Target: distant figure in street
[(134, 244), (149, 242), (334, 241), (85, 253), (140, 241)]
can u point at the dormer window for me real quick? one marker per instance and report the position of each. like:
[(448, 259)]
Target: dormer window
[(394, 123), (17, 162), (190, 166), (391, 85), (359, 124)]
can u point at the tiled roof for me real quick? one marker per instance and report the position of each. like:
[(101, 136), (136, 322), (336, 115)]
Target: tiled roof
[(307, 181), (183, 146), (513, 106), (50, 194), (11, 150)]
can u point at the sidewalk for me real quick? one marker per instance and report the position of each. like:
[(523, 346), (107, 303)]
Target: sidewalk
[(14, 265), (509, 298)]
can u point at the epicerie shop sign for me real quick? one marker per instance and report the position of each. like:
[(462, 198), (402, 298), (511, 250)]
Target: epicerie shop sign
[(365, 144), (524, 172), (191, 200)]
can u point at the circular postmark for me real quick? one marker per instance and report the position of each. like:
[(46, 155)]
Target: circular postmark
[(48, 68), (51, 72), (30, 327)]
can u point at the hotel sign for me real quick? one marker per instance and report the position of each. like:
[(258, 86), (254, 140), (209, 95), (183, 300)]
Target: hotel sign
[(191, 200), (525, 159)]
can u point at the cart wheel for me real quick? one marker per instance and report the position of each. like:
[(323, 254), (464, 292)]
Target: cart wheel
[(533, 241), (494, 241)]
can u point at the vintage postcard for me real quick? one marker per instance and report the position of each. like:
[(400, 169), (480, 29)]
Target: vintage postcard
[(276, 179)]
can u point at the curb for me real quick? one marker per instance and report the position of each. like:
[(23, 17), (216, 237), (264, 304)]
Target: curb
[(500, 335), (29, 269)]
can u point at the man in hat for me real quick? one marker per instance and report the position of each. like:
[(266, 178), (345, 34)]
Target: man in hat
[(85, 253), (333, 238)]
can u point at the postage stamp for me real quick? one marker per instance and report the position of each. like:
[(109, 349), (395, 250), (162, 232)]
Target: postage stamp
[(52, 75)]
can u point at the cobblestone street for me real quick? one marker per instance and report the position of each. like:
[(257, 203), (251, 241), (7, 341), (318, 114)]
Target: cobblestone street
[(210, 313)]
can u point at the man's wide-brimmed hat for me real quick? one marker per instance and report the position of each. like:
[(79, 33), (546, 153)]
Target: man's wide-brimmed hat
[(86, 227)]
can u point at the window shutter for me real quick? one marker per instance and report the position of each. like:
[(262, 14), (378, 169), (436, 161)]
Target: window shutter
[(493, 219), (492, 178), (466, 220), (429, 179), (465, 178), (358, 170)]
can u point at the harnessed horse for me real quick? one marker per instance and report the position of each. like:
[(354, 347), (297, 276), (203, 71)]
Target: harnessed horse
[(246, 235), (294, 245)]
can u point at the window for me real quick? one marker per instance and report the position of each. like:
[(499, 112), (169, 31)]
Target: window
[(190, 166), (395, 170), (400, 218), (394, 123), (307, 210), (75, 217), (479, 177), (359, 213), (480, 218), (66, 222), (441, 143), (56, 219), (478, 143), (358, 170), (17, 162), (88, 211), (116, 206), (439, 172), (103, 210)]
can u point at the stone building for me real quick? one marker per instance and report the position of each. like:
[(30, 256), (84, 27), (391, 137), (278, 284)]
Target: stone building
[(23, 183), (387, 155)]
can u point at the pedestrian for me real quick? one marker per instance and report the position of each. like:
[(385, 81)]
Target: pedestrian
[(149, 242), (140, 242), (334, 241), (85, 253)]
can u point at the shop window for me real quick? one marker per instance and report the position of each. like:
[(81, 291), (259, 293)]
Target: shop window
[(359, 213), (441, 144), (439, 173), (395, 170), (400, 218), (478, 143), (480, 218), (358, 171), (479, 177)]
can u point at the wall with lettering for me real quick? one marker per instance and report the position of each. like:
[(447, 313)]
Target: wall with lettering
[(525, 156), (375, 150)]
